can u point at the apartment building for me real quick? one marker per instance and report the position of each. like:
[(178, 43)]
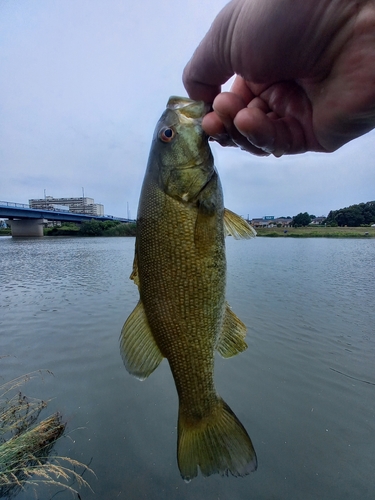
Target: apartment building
[(81, 205)]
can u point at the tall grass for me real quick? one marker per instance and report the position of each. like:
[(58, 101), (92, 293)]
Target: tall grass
[(26, 445)]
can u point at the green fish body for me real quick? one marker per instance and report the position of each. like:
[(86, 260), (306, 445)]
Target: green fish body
[(180, 270)]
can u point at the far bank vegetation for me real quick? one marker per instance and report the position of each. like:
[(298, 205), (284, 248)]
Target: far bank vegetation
[(317, 232), (93, 228), (355, 221)]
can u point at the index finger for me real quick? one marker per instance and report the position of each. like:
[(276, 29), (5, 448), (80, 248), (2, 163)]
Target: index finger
[(210, 65), (200, 83)]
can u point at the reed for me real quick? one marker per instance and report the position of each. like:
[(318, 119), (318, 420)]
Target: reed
[(26, 445)]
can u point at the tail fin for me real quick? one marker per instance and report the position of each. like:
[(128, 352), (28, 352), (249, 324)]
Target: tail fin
[(218, 444)]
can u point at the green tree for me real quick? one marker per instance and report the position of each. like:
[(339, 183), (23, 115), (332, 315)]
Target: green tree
[(121, 229), (354, 215), (301, 219), (108, 224), (91, 228)]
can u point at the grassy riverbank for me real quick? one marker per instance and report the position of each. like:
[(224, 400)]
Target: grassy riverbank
[(317, 232)]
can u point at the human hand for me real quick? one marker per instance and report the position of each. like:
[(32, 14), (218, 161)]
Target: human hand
[(305, 74)]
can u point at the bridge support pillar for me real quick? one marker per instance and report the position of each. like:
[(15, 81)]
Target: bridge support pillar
[(27, 227)]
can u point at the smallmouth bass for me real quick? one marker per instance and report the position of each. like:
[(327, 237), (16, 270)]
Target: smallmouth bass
[(180, 270)]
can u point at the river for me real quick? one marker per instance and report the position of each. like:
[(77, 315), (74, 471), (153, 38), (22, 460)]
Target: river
[(304, 389)]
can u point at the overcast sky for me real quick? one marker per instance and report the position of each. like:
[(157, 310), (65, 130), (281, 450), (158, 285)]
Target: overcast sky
[(82, 85)]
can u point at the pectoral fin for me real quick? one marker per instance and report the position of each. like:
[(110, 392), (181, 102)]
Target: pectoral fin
[(236, 226), (138, 348), (231, 341)]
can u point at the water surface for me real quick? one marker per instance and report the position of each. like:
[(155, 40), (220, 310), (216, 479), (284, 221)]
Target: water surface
[(304, 389)]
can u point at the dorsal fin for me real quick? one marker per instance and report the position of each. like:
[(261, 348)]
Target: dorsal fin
[(236, 226)]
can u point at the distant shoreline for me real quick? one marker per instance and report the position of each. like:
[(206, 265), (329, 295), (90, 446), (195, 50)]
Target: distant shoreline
[(316, 232)]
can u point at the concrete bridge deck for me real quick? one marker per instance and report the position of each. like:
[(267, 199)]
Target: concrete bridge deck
[(26, 221)]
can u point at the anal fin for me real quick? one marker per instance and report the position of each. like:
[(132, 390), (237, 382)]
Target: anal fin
[(232, 338), (139, 350)]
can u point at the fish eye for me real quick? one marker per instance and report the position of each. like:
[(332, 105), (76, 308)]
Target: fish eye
[(166, 134)]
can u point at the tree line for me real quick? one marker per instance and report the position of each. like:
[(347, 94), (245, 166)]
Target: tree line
[(362, 214), (93, 228)]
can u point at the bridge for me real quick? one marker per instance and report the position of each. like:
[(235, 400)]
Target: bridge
[(26, 221)]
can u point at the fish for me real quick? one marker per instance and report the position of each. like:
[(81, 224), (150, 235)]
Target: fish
[(180, 270)]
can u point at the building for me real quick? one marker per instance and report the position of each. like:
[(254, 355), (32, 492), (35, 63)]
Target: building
[(318, 220), (270, 221), (80, 205)]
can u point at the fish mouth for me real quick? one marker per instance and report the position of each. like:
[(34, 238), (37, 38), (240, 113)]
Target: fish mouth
[(194, 164), (187, 107)]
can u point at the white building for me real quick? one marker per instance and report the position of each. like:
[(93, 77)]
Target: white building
[(80, 205), (271, 222)]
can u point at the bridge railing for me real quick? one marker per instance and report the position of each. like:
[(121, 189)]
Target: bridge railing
[(13, 205), (23, 205), (10, 204)]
